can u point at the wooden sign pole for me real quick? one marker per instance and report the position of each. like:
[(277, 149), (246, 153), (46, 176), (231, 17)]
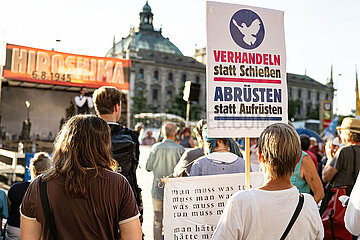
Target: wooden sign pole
[(247, 162)]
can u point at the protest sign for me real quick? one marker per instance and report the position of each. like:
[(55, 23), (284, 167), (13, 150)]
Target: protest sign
[(246, 69), (193, 205)]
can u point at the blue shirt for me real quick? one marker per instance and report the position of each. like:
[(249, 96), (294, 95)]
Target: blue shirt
[(162, 160), (3, 205), (4, 213)]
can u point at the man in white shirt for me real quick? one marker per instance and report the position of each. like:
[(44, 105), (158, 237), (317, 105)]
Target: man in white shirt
[(265, 212), (83, 102)]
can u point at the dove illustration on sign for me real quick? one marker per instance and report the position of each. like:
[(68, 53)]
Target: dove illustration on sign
[(249, 32), (247, 29)]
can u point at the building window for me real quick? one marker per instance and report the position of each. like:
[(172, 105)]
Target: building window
[(184, 78), (155, 94), (308, 108), (318, 96), (289, 92), (156, 75), (170, 77), (327, 96), (197, 79), (309, 94), (299, 93), (141, 73), (169, 95)]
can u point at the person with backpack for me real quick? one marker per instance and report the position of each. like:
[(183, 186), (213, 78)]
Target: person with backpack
[(124, 141), (81, 197)]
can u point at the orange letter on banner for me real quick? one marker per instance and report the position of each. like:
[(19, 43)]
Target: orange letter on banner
[(18, 61), (57, 64), (92, 72), (105, 72), (31, 62), (43, 62), (118, 76), (70, 64)]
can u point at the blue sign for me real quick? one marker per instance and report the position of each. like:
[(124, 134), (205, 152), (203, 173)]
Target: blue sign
[(28, 157), (330, 131), (247, 29)]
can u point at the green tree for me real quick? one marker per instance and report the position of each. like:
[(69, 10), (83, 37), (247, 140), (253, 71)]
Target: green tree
[(139, 103), (178, 107), (292, 107), (313, 114)]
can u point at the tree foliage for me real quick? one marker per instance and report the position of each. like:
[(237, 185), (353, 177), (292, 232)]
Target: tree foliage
[(313, 114), (292, 107), (139, 103), (178, 107)]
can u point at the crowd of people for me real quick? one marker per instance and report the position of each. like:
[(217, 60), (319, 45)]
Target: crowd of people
[(88, 188)]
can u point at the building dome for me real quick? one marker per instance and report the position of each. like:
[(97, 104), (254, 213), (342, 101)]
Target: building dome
[(146, 7), (144, 37)]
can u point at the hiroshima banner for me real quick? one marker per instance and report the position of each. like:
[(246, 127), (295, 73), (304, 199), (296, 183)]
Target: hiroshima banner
[(193, 205), (51, 67), (246, 69)]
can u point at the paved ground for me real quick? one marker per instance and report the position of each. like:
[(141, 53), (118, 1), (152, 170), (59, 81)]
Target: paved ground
[(145, 181)]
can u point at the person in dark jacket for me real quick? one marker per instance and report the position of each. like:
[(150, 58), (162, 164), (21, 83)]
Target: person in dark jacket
[(39, 164), (124, 141)]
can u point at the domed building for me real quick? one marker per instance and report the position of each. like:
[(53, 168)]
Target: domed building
[(158, 67)]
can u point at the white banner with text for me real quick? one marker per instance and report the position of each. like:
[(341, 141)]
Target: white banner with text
[(193, 205), (246, 69)]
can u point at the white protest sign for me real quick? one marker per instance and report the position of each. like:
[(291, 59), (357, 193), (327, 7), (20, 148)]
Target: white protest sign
[(246, 69), (193, 205)]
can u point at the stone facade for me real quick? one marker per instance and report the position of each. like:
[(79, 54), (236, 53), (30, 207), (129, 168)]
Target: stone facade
[(161, 82), (309, 92), (158, 67)]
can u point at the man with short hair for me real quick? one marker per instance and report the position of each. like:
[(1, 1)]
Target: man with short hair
[(124, 142), (162, 160), (83, 102), (343, 166), (149, 140)]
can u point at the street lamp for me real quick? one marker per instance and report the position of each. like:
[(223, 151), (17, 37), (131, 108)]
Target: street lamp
[(27, 103)]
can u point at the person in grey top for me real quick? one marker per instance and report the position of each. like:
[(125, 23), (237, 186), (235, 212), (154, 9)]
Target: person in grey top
[(343, 166), (183, 168), (223, 156), (162, 159)]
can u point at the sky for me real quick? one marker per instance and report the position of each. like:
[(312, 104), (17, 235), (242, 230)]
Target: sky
[(318, 34)]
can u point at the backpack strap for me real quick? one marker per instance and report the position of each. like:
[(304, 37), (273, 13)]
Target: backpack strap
[(49, 217), (294, 217), (354, 175)]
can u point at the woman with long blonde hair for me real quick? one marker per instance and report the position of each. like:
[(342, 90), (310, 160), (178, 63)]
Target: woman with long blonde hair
[(86, 199)]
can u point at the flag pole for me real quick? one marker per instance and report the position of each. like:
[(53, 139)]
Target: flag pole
[(357, 111), (247, 162)]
